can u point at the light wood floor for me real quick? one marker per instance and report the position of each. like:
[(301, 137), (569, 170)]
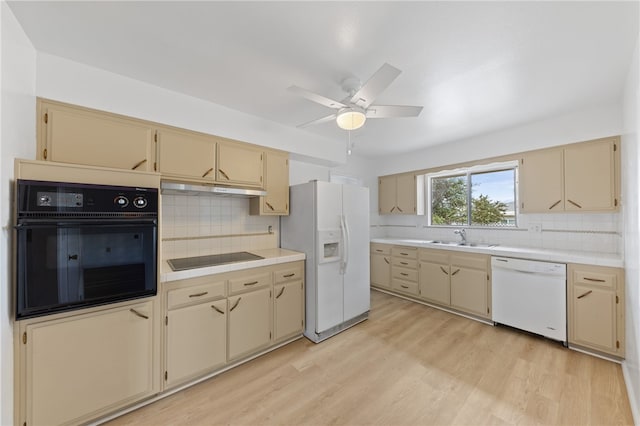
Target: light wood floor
[(407, 365)]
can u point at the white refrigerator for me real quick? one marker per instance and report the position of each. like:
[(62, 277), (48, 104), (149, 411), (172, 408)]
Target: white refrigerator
[(329, 222)]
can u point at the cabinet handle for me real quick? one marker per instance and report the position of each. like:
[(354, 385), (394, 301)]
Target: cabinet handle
[(400, 210), (138, 164), (269, 205), (386, 260), (217, 309), (199, 294), (404, 254), (444, 270), (595, 280), (224, 174), (455, 272), (554, 204), (379, 251), (392, 209), (585, 294), (73, 257), (235, 305), (280, 294), (207, 172), (575, 204), (404, 274), (138, 313), (251, 283), (404, 286), (404, 263), (289, 275)]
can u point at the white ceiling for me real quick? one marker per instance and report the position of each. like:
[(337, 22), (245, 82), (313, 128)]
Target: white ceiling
[(476, 67)]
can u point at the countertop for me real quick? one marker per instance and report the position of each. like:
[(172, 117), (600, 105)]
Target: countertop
[(271, 257), (559, 256)]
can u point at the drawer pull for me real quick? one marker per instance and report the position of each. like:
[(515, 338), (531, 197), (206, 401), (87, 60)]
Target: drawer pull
[(554, 204), (404, 254), (251, 283), (379, 251), (444, 270), (595, 280), (289, 275), (403, 263), (226, 176), (386, 260), (585, 294), (575, 204), (138, 313), (235, 305), (455, 272), (404, 286), (217, 309), (138, 164), (404, 274), (204, 293), (280, 294)]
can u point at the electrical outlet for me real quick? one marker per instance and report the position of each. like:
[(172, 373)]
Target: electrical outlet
[(535, 228)]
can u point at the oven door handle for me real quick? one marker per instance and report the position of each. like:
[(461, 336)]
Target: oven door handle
[(39, 223)]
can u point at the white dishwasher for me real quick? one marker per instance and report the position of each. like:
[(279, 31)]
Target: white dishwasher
[(530, 295)]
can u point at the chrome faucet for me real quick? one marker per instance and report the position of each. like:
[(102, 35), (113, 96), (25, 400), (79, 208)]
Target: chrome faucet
[(463, 234)]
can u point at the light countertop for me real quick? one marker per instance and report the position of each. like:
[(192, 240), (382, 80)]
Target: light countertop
[(559, 256), (271, 257)]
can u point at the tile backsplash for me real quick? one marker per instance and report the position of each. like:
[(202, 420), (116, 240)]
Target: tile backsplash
[(200, 225), (592, 232)]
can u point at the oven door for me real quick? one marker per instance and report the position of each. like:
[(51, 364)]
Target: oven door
[(72, 264)]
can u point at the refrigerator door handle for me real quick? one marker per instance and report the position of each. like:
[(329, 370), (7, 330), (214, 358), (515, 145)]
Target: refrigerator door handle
[(345, 226)]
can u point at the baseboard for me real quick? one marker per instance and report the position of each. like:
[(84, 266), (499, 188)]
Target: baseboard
[(633, 401)]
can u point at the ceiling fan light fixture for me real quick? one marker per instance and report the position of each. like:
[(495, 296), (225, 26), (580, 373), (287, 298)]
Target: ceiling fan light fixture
[(351, 118)]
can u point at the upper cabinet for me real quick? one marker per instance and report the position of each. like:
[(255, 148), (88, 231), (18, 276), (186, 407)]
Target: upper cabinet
[(186, 155), (69, 134), (397, 194), (579, 177), (276, 176), (239, 164)]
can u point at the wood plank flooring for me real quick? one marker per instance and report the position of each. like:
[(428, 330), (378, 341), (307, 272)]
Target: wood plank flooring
[(408, 364)]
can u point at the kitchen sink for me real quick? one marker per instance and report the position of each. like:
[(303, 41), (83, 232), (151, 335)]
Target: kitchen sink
[(457, 243)]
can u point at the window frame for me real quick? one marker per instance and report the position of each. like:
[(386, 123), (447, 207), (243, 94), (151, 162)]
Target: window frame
[(467, 172)]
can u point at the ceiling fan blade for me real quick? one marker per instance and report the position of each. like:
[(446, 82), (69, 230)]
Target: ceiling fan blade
[(322, 100), (375, 85), (388, 111), (318, 121)]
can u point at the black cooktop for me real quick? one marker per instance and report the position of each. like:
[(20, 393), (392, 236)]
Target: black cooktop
[(211, 260)]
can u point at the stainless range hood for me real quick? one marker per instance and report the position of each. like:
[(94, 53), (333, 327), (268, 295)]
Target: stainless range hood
[(177, 188)]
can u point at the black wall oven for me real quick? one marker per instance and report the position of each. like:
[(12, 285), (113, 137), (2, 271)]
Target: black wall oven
[(80, 245)]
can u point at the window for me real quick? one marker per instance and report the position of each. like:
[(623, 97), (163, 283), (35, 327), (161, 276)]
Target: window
[(476, 196)]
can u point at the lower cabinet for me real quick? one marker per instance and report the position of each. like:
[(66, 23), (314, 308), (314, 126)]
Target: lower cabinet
[(595, 297), (249, 322), (380, 265), (77, 367), (470, 285), (288, 311)]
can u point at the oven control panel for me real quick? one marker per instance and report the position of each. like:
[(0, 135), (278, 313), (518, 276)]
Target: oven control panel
[(57, 199)]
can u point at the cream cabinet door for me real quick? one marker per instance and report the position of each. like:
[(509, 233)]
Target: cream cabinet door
[(541, 182), (186, 155), (469, 290), (589, 176), (594, 317), (380, 270), (97, 139), (405, 194), (196, 340), (249, 322), (276, 202), (78, 366), (239, 164), (288, 310), (434, 282), (386, 194)]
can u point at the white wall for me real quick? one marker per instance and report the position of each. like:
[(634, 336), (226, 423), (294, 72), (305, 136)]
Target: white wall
[(630, 185), (17, 136), (68, 81)]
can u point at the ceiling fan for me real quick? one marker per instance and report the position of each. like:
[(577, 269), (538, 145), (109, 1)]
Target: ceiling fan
[(353, 111)]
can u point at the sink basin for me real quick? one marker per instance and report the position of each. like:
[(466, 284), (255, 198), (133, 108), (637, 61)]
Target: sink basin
[(457, 243), (477, 245)]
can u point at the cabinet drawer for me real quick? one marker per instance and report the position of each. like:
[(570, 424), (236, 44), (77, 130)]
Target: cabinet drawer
[(405, 252), (470, 261), (404, 274), (434, 256), (378, 248), (289, 274), (601, 278), (195, 294), (404, 263), (405, 286), (249, 282)]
